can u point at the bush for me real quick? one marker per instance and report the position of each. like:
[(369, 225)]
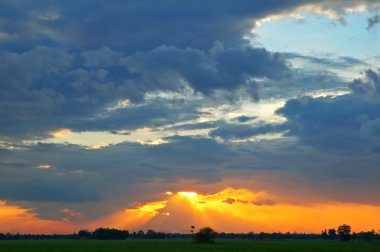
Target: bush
[(205, 235)]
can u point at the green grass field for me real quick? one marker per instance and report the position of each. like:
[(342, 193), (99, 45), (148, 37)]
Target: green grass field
[(182, 245)]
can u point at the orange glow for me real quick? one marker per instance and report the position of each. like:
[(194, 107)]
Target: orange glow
[(16, 219), (133, 218), (241, 210), (229, 210), (151, 208)]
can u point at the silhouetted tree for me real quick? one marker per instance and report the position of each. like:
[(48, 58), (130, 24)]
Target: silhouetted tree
[(344, 232), (140, 234), (150, 234), (250, 235), (110, 234), (261, 236), (324, 235), (332, 234), (205, 235), (84, 234), (366, 236)]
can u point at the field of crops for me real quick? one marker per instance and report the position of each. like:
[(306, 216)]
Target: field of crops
[(182, 245)]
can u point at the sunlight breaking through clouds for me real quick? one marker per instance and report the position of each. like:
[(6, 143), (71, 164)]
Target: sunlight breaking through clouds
[(239, 210)]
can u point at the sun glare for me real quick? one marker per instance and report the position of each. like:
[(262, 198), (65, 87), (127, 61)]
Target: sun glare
[(188, 194)]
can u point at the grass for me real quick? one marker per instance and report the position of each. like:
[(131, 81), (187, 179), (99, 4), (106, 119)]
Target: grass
[(183, 245)]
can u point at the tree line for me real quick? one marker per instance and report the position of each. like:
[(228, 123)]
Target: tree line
[(342, 233)]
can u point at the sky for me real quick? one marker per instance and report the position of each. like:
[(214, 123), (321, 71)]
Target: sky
[(238, 115)]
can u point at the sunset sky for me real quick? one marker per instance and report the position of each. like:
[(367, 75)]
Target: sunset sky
[(162, 114)]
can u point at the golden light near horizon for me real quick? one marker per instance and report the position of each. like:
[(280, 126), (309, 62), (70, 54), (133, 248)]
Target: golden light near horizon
[(14, 218), (239, 210), (188, 194), (229, 210), (150, 208)]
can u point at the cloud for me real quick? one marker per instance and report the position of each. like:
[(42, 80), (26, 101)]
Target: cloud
[(88, 178), (263, 202), (244, 119), (369, 85), (143, 26), (81, 171), (196, 126), (85, 178), (178, 212), (58, 70), (60, 190), (242, 131), (101, 58), (15, 219), (339, 62), (153, 114), (221, 68), (332, 123), (229, 201), (373, 21), (346, 122), (48, 88)]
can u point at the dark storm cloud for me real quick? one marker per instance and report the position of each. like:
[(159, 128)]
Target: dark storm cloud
[(133, 26), (68, 61), (44, 86), (348, 122), (48, 190), (221, 68), (141, 25), (48, 88), (109, 174), (342, 123), (125, 164)]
